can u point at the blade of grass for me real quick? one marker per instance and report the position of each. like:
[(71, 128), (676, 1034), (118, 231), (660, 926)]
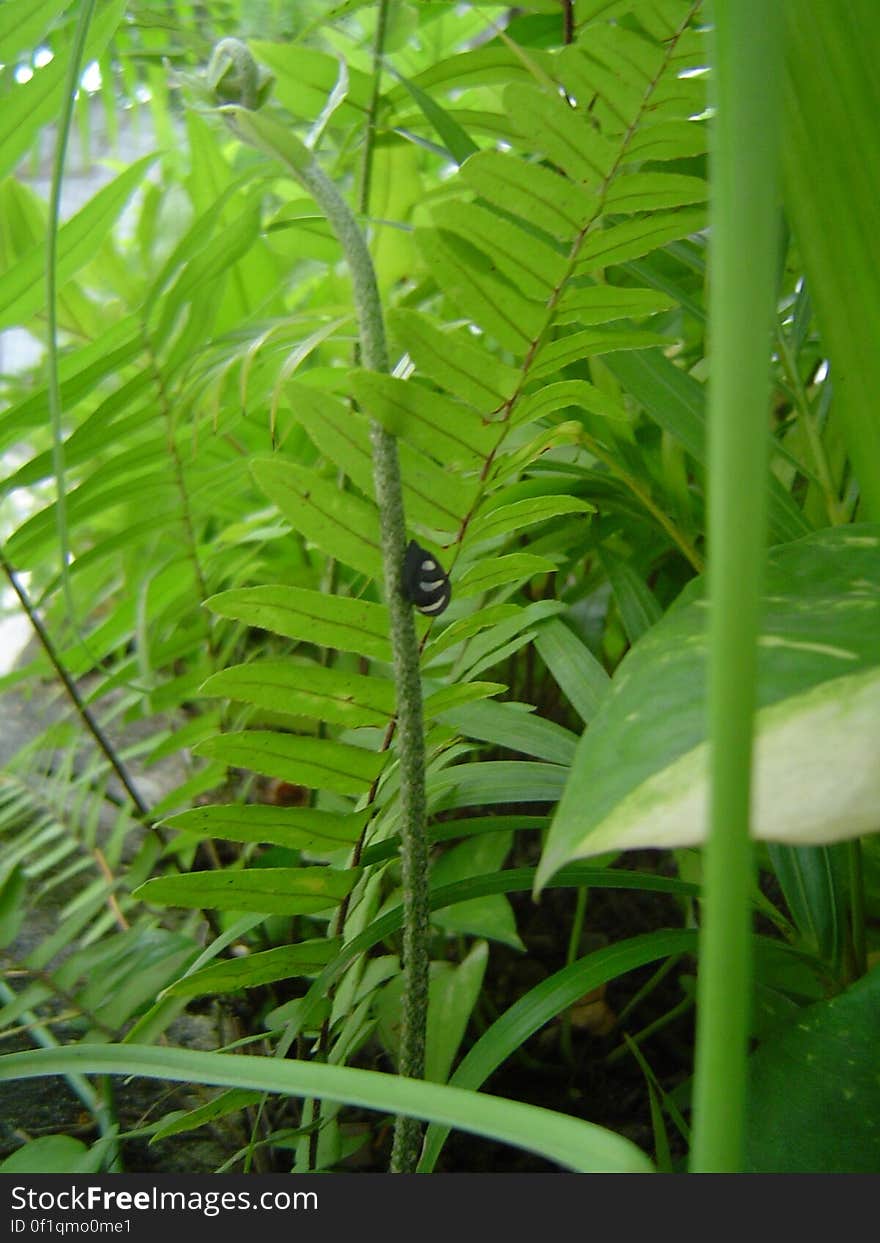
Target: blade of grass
[(568, 1141)]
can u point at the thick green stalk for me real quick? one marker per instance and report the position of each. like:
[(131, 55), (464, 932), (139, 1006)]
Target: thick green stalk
[(267, 134), (407, 678), (744, 228)]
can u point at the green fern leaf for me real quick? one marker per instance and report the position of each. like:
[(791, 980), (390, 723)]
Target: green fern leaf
[(529, 264), (301, 689), (635, 238), (272, 891), (447, 430), (338, 621), (313, 762), (465, 274), (285, 962), (460, 367), (294, 828), (533, 191), (341, 525)]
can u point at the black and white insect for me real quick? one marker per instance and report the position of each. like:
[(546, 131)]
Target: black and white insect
[(425, 582)]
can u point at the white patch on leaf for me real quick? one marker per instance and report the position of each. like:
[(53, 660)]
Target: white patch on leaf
[(816, 780)]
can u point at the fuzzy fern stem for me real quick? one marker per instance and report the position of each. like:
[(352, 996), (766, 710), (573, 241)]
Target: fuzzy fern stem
[(266, 134)]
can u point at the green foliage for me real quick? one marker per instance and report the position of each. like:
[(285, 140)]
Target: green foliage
[(817, 696), (536, 214), (830, 1105)]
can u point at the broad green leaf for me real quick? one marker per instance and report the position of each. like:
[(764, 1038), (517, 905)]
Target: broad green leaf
[(667, 140), (23, 286), (337, 621), (578, 673), (532, 191), (50, 1154), (302, 689), (285, 962), (602, 304), (529, 264), (451, 432), (568, 1141), (275, 891), (431, 496), (467, 277), (605, 248), (462, 368), (341, 524), (669, 395), (589, 343), (565, 136), (564, 394), (648, 192), (295, 828), (314, 762), (545, 1002), (653, 271), (814, 1093), (666, 19), (499, 571), (452, 994), (640, 774), (613, 91), (521, 514)]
